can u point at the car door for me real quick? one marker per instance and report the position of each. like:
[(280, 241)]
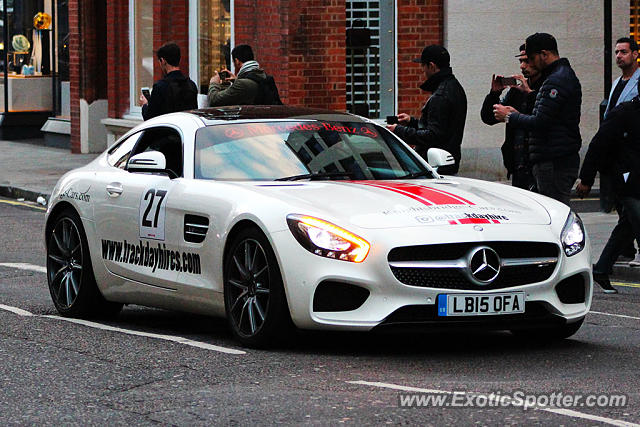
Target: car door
[(136, 229)]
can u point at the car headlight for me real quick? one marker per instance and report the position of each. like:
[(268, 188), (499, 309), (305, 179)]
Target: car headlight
[(327, 240), (573, 235)]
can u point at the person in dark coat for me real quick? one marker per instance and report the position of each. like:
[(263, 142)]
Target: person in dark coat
[(522, 96), (175, 92), (554, 123), (441, 124), (615, 149)]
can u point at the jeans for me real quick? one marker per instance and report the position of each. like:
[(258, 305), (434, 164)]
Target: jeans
[(555, 180), (627, 229)]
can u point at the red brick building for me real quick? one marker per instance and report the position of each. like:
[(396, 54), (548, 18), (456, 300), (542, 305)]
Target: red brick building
[(303, 43)]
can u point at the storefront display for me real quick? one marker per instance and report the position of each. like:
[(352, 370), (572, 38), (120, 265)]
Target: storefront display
[(30, 86)]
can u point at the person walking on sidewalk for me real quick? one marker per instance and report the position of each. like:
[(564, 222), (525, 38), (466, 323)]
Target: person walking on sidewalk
[(554, 124), (175, 92), (521, 96), (616, 149), (441, 124), (624, 88)]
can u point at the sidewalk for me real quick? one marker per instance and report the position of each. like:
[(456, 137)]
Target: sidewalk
[(30, 170)]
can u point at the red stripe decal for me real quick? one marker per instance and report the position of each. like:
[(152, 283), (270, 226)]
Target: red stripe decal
[(450, 198), (474, 221), (436, 197), (404, 193)]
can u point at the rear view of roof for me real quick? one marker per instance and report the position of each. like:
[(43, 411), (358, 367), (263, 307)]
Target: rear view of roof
[(247, 112)]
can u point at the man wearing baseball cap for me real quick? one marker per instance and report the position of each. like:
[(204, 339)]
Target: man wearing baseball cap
[(554, 123), (441, 124)]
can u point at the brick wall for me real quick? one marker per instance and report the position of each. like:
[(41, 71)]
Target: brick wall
[(87, 62), (420, 23), (171, 24), (118, 57)]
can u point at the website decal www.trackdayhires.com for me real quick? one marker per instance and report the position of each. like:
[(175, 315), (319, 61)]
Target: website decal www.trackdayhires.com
[(145, 255), (497, 399)]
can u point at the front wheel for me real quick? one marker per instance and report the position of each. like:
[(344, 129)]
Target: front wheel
[(255, 302), (71, 281)]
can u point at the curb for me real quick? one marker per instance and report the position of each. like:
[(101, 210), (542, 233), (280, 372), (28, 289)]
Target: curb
[(625, 273), (20, 193)]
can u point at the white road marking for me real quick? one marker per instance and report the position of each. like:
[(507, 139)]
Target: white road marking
[(15, 310), (399, 387), (559, 411), (24, 266), (624, 316), (172, 338)]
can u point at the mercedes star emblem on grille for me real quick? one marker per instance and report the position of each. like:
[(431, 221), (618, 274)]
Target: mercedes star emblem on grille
[(484, 265)]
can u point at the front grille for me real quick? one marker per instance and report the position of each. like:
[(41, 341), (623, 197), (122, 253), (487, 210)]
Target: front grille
[(450, 251), (445, 264)]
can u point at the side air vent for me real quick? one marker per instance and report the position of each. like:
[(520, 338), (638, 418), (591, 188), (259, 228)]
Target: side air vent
[(195, 228)]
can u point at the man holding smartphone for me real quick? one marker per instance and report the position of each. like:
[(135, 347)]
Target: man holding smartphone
[(554, 123), (521, 95), (175, 92), (441, 124)]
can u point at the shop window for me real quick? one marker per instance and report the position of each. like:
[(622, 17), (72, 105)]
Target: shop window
[(141, 47), (26, 56), (371, 57), (210, 39)]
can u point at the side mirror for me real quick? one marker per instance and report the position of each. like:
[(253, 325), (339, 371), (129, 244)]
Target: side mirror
[(437, 157), (149, 161)]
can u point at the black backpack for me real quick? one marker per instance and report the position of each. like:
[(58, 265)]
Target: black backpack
[(267, 90)]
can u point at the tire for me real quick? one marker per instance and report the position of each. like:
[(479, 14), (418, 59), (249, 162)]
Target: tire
[(72, 283), (549, 334), (255, 302)]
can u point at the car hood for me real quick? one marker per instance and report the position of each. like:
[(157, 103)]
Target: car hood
[(407, 203)]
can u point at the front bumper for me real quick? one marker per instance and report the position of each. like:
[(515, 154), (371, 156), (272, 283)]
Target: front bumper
[(392, 303)]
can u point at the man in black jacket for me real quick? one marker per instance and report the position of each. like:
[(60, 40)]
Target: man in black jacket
[(555, 139), (522, 96), (615, 149), (441, 124), (175, 92)]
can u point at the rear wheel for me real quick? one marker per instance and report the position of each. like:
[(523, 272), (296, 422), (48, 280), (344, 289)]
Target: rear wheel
[(255, 301), (551, 334), (71, 281)]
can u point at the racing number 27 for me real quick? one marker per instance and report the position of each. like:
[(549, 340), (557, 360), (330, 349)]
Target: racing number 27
[(146, 222)]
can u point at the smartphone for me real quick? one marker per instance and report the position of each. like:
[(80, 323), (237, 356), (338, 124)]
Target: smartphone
[(392, 120), (224, 75), (508, 81), (146, 93)]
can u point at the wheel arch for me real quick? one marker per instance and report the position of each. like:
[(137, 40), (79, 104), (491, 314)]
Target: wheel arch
[(55, 212)]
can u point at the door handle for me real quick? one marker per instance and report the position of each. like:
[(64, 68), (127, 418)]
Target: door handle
[(114, 189)]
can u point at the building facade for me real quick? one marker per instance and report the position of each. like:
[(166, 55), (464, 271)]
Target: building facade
[(339, 54)]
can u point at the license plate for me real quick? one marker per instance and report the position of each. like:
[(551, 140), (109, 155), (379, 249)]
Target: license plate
[(479, 305)]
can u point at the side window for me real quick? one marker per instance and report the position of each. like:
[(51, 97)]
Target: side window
[(119, 155), (165, 140)]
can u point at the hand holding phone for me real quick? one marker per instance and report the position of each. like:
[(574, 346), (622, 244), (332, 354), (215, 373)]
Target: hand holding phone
[(224, 74), (146, 93), (392, 120)]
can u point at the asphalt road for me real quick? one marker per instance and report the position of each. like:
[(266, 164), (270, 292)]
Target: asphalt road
[(160, 367)]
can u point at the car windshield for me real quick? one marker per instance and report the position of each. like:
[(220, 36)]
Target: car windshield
[(291, 150)]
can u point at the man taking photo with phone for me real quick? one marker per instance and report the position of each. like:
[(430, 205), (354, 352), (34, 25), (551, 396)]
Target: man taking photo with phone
[(441, 124), (521, 95), (554, 123), (175, 92)]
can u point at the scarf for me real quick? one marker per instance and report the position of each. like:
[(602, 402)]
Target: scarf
[(248, 67)]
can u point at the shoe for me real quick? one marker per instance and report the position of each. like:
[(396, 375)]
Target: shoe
[(636, 261), (604, 282)]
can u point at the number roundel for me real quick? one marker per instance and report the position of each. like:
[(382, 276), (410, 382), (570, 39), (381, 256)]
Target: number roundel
[(152, 214)]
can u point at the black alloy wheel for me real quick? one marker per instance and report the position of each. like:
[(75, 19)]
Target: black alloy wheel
[(254, 295), (71, 281)]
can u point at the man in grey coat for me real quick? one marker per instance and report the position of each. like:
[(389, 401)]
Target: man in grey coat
[(243, 89)]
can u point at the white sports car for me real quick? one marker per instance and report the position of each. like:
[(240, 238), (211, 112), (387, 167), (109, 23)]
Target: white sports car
[(278, 216)]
